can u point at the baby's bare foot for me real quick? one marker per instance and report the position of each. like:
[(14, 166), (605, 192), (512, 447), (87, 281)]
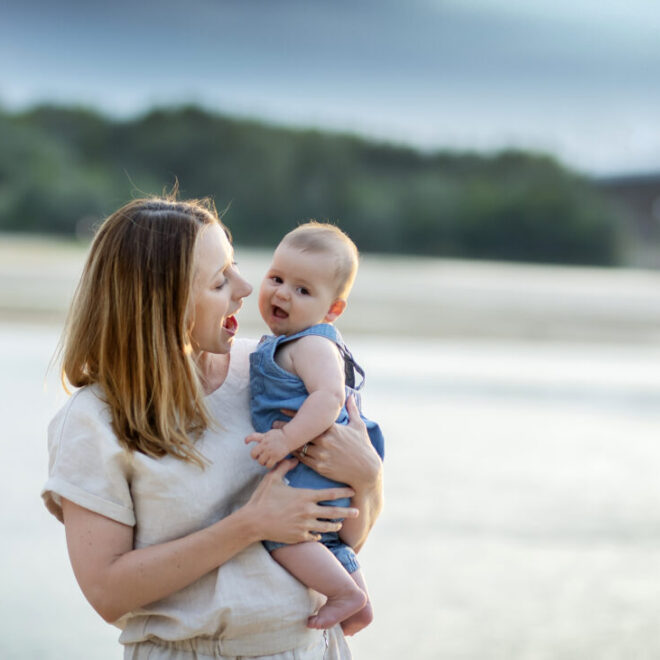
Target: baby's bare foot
[(337, 609), (361, 619)]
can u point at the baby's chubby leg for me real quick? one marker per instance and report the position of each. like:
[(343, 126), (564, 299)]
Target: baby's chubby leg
[(316, 567), (362, 618)]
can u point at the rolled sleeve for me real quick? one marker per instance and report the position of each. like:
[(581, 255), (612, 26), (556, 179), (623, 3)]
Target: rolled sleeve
[(86, 463)]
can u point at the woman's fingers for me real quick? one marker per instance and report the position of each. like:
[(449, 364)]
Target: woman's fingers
[(282, 468), (278, 423), (325, 526), (352, 409), (354, 418), (305, 453), (329, 494), (291, 515), (338, 511)]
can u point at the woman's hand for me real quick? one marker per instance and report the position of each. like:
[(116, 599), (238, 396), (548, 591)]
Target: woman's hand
[(344, 453), (292, 515)]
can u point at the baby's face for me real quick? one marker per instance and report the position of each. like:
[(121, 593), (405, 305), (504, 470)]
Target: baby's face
[(298, 290)]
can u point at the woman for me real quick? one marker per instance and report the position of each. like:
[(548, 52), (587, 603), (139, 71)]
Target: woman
[(162, 504)]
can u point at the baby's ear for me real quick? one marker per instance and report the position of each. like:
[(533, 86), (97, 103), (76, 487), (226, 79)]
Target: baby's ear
[(336, 310)]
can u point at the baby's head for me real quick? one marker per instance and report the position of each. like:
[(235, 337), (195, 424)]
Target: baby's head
[(309, 279)]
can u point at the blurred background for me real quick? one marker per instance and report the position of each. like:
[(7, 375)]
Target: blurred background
[(498, 165)]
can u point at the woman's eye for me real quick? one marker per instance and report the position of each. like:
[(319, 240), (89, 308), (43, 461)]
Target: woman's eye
[(221, 285)]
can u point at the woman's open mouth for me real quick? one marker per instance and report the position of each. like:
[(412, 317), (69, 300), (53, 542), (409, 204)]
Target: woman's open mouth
[(230, 325)]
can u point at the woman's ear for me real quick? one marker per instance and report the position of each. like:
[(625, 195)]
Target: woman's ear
[(335, 311)]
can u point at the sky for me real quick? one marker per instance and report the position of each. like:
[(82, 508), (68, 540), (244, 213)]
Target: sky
[(577, 79)]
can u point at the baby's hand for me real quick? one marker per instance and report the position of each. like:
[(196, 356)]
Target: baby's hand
[(271, 447)]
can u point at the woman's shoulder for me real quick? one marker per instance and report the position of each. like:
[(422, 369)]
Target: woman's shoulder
[(84, 423), (83, 402), (87, 465), (86, 402)]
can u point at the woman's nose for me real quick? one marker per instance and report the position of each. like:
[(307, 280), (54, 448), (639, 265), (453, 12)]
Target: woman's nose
[(243, 287)]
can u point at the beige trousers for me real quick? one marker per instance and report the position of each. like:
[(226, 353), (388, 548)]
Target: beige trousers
[(332, 646)]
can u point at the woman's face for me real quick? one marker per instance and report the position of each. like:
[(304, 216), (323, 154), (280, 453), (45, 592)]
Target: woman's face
[(217, 292)]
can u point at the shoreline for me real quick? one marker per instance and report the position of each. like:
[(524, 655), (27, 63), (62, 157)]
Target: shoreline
[(415, 297)]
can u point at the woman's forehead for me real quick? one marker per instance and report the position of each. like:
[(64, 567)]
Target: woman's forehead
[(213, 251)]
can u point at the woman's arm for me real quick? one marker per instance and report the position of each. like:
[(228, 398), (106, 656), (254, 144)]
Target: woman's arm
[(116, 579), (344, 453)]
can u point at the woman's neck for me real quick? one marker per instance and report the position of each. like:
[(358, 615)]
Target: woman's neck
[(213, 369)]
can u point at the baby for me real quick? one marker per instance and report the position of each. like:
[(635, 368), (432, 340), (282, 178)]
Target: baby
[(306, 367)]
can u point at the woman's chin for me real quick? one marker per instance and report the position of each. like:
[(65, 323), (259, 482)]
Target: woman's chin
[(220, 346), (224, 346), (227, 339)]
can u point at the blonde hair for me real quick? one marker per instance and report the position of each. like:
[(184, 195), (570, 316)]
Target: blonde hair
[(324, 238), (128, 328)]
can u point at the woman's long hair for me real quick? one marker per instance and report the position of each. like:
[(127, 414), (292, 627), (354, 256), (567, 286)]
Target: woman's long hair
[(128, 325)]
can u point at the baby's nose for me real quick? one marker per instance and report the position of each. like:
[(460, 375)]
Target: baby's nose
[(282, 292)]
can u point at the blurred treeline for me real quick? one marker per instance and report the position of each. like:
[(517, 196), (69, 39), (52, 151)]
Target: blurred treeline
[(63, 169)]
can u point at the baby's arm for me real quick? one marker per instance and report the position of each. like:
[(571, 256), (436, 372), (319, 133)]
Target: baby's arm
[(316, 361)]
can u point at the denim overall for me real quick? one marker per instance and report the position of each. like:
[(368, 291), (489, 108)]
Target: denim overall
[(272, 389)]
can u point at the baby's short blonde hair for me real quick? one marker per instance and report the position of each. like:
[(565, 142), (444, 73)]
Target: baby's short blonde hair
[(322, 237)]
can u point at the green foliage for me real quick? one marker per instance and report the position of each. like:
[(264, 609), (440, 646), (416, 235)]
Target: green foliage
[(66, 168)]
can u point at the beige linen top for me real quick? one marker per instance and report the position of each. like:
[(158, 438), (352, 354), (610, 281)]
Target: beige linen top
[(250, 604)]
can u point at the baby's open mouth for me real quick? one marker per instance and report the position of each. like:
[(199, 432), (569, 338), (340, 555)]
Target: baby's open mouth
[(279, 313), (230, 325)]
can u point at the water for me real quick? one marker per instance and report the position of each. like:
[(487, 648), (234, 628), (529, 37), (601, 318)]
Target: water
[(522, 514)]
